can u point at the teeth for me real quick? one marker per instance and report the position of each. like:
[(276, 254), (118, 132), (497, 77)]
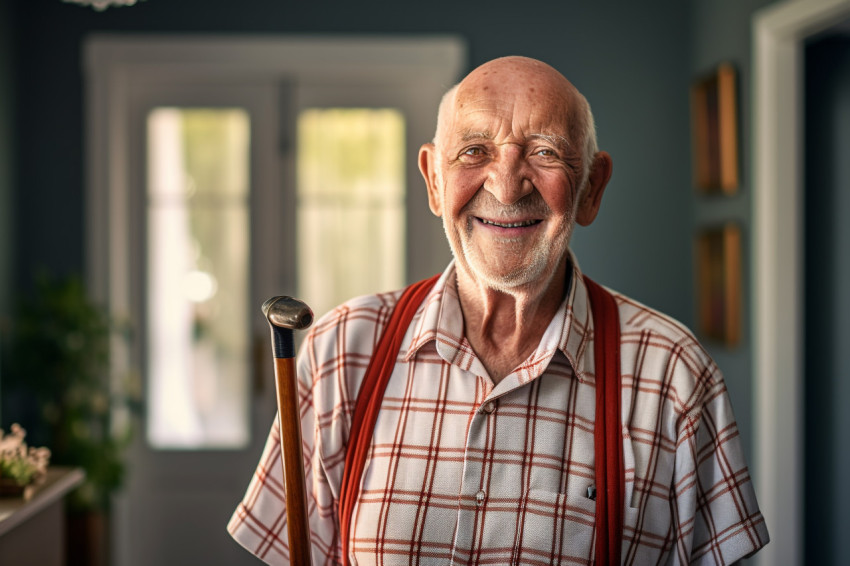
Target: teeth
[(510, 224)]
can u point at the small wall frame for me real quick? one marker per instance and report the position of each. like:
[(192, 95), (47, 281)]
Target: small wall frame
[(718, 283), (714, 128)]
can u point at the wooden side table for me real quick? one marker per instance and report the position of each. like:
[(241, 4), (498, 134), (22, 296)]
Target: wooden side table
[(32, 532)]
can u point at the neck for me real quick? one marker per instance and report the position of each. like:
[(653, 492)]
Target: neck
[(505, 326)]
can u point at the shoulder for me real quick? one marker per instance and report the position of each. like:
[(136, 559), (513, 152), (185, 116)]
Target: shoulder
[(636, 317), (362, 309), (657, 348), (334, 357), (357, 324), (354, 326)]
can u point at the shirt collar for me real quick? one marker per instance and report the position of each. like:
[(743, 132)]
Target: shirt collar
[(439, 321)]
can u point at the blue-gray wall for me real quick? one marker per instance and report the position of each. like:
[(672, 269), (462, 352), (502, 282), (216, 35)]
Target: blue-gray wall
[(827, 358), (721, 32), (6, 158), (6, 174)]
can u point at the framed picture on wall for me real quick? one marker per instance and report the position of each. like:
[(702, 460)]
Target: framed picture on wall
[(718, 283), (714, 127)]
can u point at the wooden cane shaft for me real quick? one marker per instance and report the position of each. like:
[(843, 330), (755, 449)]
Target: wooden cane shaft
[(293, 464)]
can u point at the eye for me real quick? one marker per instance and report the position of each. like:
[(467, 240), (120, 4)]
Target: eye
[(472, 155), (545, 152)]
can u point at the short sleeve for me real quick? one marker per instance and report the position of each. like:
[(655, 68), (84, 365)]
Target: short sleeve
[(718, 519), (259, 521)]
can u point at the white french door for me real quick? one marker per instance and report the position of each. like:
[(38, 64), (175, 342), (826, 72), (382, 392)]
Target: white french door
[(223, 171), (206, 248)]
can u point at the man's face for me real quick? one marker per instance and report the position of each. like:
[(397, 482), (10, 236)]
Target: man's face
[(507, 175)]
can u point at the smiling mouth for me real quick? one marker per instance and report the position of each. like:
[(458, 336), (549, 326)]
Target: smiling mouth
[(520, 224)]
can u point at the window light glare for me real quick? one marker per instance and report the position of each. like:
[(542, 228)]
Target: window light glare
[(200, 286)]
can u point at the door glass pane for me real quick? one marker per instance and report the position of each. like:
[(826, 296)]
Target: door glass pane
[(351, 193), (198, 278)]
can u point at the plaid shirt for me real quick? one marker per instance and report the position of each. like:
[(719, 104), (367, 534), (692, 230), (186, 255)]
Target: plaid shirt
[(464, 472)]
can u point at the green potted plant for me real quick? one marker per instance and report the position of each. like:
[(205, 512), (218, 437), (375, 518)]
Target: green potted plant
[(59, 376)]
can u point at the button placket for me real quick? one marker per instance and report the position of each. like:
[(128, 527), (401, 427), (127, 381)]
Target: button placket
[(472, 496)]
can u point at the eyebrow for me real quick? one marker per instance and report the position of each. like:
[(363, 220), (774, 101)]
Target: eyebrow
[(468, 135), (555, 139)]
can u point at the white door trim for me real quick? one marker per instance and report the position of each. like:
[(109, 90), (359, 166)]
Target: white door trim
[(778, 318)]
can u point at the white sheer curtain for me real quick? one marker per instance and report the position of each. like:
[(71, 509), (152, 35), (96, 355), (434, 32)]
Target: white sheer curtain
[(351, 194)]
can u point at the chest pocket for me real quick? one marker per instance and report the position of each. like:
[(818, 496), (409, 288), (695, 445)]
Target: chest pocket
[(555, 528)]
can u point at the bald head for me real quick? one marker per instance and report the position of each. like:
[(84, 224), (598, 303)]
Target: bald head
[(528, 79)]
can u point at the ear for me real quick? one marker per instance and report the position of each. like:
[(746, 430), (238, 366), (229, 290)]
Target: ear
[(428, 168), (591, 197)]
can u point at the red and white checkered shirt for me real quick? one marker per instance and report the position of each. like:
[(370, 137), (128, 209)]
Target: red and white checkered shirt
[(464, 472)]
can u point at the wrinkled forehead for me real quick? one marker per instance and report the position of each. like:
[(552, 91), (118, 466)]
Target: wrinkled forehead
[(514, 100)]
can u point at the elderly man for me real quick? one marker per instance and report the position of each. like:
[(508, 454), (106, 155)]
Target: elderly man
[(483, 449)]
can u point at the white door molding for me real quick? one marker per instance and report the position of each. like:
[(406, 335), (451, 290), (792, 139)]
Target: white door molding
[(778, 318)]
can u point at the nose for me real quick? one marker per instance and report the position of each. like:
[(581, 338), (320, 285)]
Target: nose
[(508, 178)]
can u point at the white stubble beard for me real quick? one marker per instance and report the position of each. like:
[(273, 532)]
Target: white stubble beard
[(546, 254)]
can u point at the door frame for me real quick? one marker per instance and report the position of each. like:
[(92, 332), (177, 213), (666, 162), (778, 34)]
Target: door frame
[(779, 32), (114, 66), (112, 63)]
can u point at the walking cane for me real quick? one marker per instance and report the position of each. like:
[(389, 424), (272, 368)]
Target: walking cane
[(286, 314)]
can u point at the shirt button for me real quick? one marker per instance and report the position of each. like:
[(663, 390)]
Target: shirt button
[(479, 497), (489, 407)]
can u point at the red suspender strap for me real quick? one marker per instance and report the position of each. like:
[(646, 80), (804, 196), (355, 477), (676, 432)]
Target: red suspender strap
[(369, 401), (607, 435)]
